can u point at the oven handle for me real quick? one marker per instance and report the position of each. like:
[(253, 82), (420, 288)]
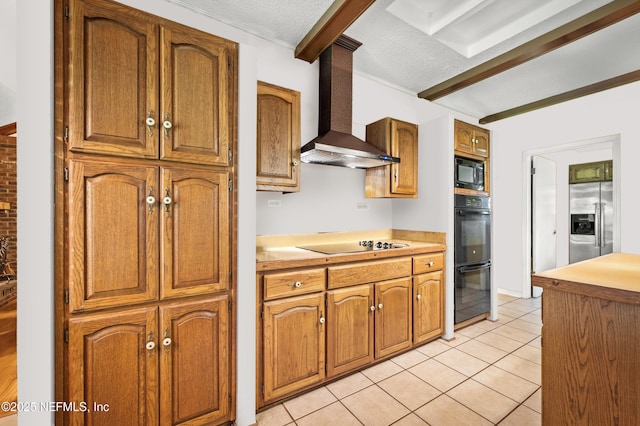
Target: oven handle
[(464, 213), (474, 267)]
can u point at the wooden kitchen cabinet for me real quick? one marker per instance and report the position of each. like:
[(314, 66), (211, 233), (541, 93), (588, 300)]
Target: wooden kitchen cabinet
[(368, 307), (139, 232), (109, 363), (146, 142), (145, 365), (367, 322), (169, 95), (293, 335), (598, 171), (399, 139), (350, 326), (194, 347), (470, 140), (393, 316), (278, 139), (428, 306)]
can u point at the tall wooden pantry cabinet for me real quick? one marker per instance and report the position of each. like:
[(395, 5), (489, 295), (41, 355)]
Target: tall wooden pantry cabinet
[(145, 218)]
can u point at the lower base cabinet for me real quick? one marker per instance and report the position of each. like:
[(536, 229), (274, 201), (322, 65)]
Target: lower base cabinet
[(349, 328), (393, 316), (309, 333), (131, 366), (428, 303), (294, 344)]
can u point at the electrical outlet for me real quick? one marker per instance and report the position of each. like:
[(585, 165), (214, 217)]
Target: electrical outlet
[(362, 206), (274, 203)]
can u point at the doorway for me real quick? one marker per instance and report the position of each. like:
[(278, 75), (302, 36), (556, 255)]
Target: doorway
[(562, 155)]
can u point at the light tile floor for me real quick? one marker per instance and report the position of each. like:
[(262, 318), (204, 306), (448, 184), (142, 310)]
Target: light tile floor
[(489, 374)]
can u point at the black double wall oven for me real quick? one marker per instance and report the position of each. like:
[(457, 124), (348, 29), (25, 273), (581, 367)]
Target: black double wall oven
[(472, 257)]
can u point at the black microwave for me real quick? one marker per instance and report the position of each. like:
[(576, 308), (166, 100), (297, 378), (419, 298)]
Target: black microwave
[(469, 174)]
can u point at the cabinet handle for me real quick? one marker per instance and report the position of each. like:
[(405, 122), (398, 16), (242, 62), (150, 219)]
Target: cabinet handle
[(167, 125), (297, 284), (151, 200), (150, 343), (419, 296), (166, 342), (150, 122), (167, 200)]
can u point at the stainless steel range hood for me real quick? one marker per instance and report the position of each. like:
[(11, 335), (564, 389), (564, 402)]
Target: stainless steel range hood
[(335, 145)]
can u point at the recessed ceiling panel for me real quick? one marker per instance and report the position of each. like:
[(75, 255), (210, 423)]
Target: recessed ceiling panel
[(576, 65), (473, 26)]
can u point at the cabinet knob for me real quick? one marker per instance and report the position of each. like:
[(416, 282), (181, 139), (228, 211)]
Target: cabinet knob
[(150, 122), (379, 305), (167, 200), (150, 345), (166, 341), (419, 296), (167, 125), (373, 308), (429, 264), (321, 320), (297, 284), (151, 200)]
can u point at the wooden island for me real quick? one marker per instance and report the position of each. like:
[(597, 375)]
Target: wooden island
[(591, 342)]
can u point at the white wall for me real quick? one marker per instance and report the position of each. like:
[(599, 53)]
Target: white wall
[(603, 114), (9, 68)]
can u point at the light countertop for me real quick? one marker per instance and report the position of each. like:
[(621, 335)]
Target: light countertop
[(277, 252), (614, 277)]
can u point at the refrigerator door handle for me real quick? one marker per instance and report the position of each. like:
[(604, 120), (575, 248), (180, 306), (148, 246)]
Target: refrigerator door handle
[(597, 223), (602, 225)]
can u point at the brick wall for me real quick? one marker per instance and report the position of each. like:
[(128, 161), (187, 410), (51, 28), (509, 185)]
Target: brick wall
[(9, 194)]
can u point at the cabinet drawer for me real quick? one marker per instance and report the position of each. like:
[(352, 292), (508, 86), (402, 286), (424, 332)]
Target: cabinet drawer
[(293, 283), (428, 263), (368, 272)]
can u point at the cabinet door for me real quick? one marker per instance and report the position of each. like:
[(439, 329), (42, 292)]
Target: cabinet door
[(113, 234), (428, 303), (194, 362), (404, 144), (481, 142), (113, 81), (278, 139), (195, 222), (463, 138), (294, 344), (113, 364), (196, 101), (393, 316), (349, 328)]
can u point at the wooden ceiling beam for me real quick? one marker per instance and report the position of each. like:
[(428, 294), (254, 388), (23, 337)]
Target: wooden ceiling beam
[(340, 15), (9, 129), (566, 96), (594, 21)]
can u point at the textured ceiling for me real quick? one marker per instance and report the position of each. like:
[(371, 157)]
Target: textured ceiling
[(405, 57)]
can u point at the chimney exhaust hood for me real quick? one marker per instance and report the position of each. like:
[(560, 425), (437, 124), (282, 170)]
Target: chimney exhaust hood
[(335, 145)]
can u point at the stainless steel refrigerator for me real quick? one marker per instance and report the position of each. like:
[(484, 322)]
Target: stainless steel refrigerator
[(591, 227)]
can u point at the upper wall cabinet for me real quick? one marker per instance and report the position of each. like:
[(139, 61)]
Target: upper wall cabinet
[(398, 180), (598, 171), (278, 139), (144, 87), (470, 139)]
